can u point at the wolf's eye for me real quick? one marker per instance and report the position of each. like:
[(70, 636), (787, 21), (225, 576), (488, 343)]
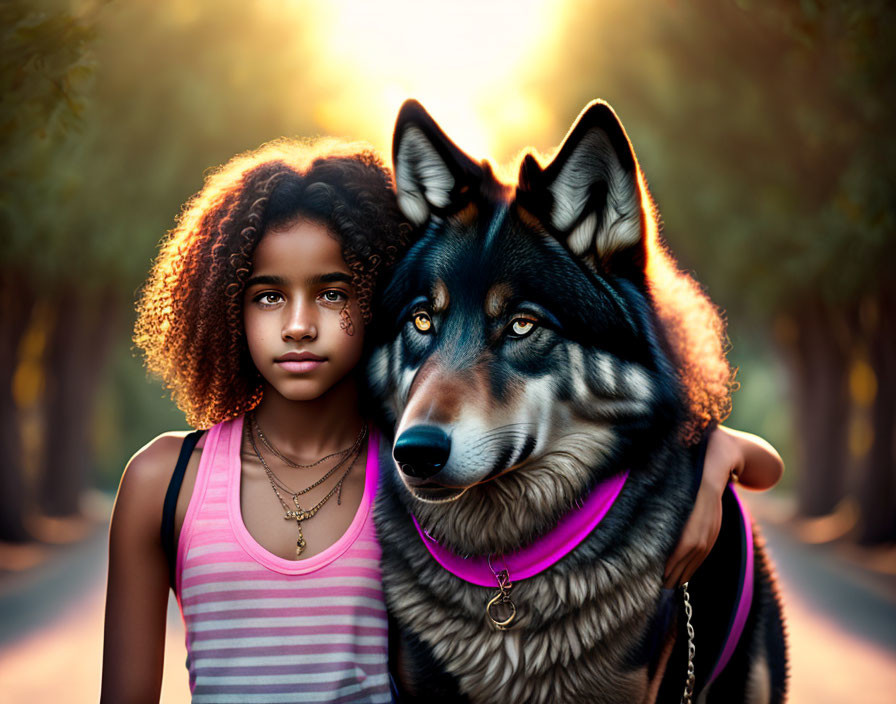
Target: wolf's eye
[(422, 322), (521, 327)]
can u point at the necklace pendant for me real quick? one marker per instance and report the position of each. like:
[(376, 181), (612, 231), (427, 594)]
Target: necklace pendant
[(299, 514)]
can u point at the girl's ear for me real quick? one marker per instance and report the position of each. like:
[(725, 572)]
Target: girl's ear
[(589, 196), (432, 175)]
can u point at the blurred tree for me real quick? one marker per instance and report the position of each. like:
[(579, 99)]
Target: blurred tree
[(766, 131), (877, 493), (44, 65)]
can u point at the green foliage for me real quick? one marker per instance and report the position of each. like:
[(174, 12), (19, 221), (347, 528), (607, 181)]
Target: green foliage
[(45, 71), (43, 67)]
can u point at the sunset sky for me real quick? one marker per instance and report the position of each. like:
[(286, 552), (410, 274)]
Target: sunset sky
[(469, 62)]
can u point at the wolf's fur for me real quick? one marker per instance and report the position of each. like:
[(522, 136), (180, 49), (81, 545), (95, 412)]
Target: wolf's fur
[(536, 416)]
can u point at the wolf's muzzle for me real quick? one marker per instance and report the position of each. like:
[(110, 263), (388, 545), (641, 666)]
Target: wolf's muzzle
[(422, 451)]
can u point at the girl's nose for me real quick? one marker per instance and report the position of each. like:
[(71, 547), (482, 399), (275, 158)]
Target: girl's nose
[(300, 323)]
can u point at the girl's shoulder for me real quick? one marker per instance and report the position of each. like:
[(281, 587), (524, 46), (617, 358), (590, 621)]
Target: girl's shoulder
[(154, 462), (146, 476)]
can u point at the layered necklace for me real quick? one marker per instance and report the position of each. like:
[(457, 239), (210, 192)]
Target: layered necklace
[(298, 514)]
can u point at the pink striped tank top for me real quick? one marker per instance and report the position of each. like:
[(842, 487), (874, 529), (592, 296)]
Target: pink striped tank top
[(264, 629)]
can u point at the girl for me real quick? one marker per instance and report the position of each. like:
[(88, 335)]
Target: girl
[(255, 314)]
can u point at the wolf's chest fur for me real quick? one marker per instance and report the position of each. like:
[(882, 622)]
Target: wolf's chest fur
[(577, 624)]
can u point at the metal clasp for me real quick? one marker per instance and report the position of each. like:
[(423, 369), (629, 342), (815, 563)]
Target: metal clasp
[(501, 610)]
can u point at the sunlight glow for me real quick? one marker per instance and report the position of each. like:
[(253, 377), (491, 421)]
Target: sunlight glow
[(465, 60)]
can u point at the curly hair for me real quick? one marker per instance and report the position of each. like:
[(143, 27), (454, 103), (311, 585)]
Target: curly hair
[(190, 311)]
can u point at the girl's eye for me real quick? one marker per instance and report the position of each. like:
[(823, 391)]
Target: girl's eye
[(422, 322), (521, 327), (269, 298), (334, 296)]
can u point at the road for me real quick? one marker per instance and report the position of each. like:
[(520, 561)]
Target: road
[(841, 627)]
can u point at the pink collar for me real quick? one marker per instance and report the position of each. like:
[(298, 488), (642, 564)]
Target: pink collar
[(572, 529)]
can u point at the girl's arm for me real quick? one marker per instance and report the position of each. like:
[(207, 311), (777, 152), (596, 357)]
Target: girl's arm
[(137, 590), (730, 454)]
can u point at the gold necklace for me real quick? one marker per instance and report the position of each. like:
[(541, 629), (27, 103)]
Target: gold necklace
[(268, 444), (300, 514)]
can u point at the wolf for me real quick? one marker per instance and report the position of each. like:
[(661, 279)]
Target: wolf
[(545, 377)]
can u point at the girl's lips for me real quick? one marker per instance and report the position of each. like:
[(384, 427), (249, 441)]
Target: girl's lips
[(296, 366)]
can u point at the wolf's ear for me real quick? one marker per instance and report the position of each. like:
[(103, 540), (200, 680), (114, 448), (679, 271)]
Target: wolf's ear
[(589, 194), (432, 175)]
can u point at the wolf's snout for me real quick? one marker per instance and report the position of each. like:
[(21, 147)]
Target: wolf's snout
[(422, 451)]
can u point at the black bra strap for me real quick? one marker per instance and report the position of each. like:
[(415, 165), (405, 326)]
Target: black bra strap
[(180, 469)]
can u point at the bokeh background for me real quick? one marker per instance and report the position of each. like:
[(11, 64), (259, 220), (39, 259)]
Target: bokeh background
[(765, 129)]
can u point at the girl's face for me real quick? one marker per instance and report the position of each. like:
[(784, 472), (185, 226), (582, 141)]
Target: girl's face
[(298, 310)]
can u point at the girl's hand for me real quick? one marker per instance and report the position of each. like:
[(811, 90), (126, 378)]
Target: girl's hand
[(730, 454)]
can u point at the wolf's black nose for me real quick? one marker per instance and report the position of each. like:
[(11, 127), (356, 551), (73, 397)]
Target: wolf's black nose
[(421, 451)]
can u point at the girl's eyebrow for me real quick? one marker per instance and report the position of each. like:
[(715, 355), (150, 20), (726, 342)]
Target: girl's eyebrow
[(273, 280), (266, 280), (331, 278)]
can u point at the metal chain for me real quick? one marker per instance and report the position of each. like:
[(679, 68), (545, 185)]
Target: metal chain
[(268, 444), (688, 694), (354, 452), (276, 481)]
